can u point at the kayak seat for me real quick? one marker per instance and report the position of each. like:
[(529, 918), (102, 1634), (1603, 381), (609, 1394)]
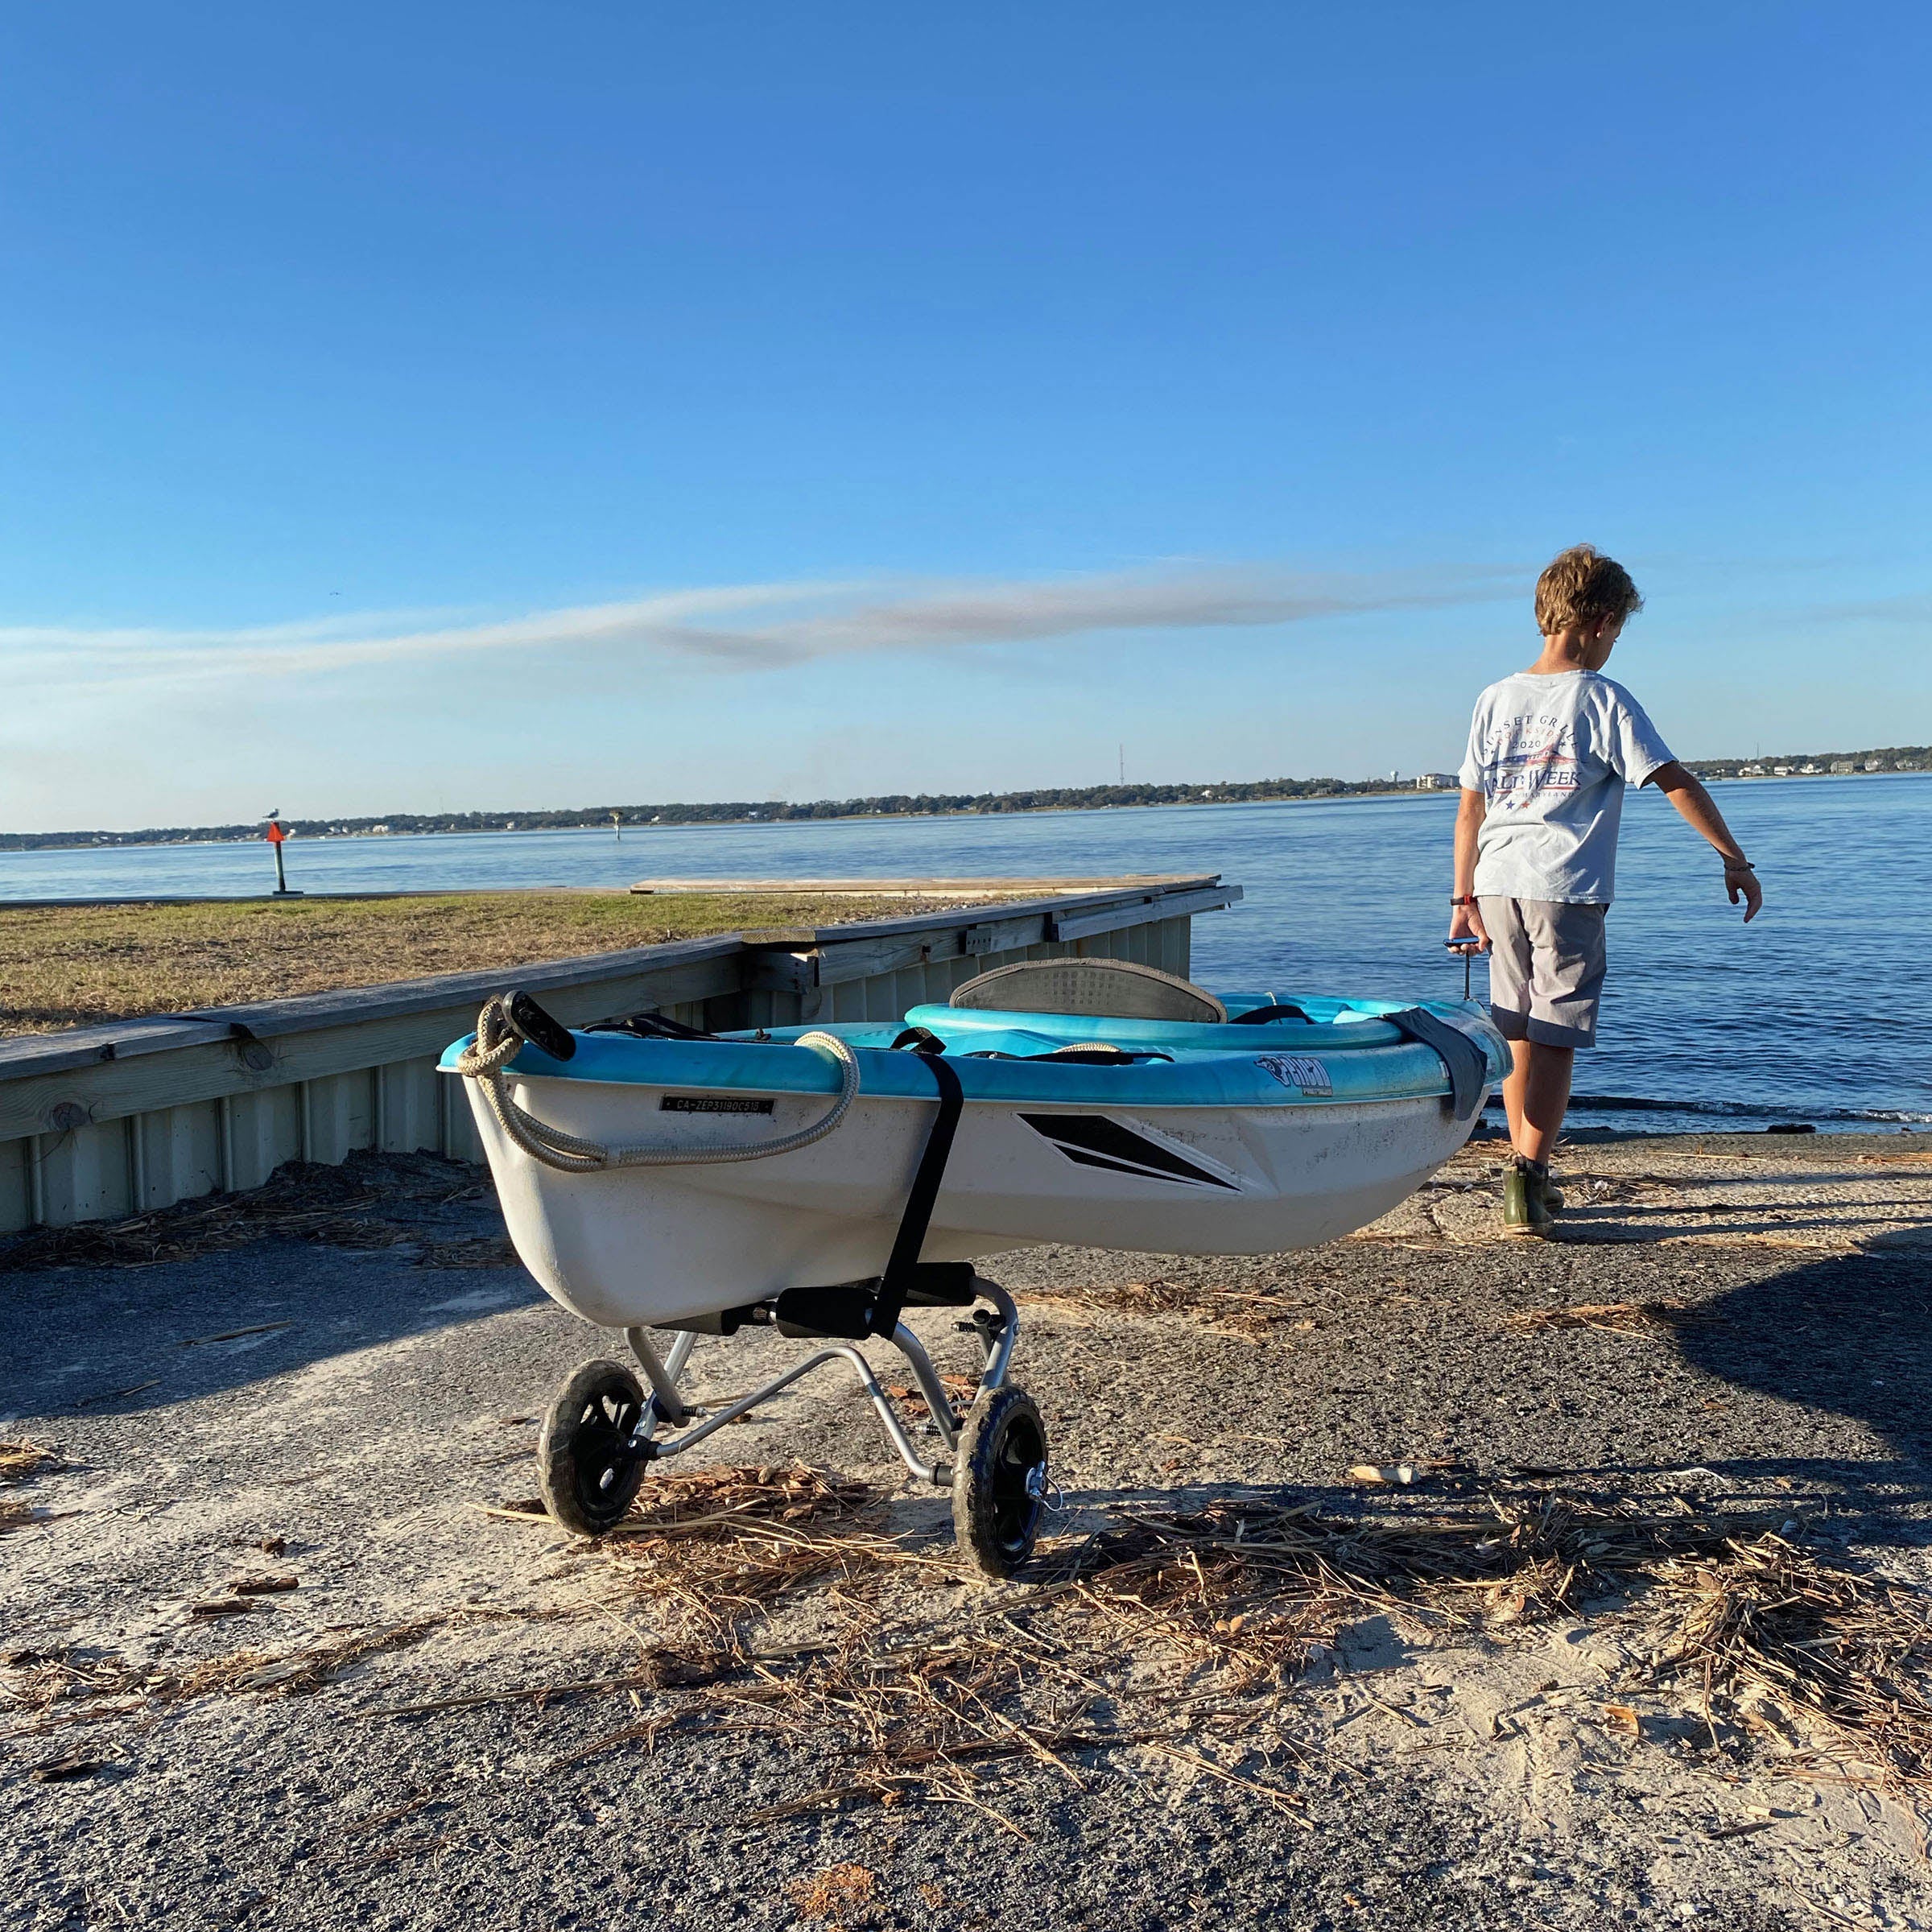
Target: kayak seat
[(1100, 990)]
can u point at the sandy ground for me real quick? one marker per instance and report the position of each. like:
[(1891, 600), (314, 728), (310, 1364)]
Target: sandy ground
[(1473, 1782)]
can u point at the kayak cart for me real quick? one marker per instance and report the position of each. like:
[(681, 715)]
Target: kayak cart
[(823, 1182)]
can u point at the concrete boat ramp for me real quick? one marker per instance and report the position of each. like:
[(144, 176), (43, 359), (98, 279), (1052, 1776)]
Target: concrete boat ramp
[(282, 1647)]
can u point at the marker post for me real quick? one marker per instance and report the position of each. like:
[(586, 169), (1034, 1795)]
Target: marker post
[(275, 835)]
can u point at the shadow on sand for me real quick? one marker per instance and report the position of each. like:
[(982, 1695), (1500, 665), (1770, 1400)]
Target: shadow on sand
[(82, 1342)]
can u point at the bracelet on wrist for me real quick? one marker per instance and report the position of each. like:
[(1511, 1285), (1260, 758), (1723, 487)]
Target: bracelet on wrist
[(1469, 900)]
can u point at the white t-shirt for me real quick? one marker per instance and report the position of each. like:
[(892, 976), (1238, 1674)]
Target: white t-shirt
[(1551, 752)]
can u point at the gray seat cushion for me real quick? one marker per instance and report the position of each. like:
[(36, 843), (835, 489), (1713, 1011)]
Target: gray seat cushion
[(1097, 990)]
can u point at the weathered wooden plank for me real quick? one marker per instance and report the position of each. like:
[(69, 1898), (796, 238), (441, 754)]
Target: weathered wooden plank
[(587, 981), (856, 931), (838, 964), (866, 958), (204, 1070), (920, 889), (1113, 918), (30, 1055), (684, 969), (775, 972)]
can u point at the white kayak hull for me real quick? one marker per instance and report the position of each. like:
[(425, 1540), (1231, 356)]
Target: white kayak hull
[(644, 1245)]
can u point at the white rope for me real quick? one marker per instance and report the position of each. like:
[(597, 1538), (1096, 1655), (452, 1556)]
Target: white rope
[(497, 1044)]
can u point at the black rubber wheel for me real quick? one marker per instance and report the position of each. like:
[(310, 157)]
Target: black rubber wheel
[(586, 1468), (999, 1480)]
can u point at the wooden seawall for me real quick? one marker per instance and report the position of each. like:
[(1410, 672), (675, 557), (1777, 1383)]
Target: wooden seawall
[(98, 1122)]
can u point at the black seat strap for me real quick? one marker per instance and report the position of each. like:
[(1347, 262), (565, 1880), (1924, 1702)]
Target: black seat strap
[(653, 1025), (1262, 1016), (1468, 1065), (897, 1282), (919, 1039)]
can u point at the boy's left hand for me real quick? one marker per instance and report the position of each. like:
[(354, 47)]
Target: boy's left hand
[(1741, 882)]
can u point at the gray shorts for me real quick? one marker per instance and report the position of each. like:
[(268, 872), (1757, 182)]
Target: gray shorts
[(1545, 969)]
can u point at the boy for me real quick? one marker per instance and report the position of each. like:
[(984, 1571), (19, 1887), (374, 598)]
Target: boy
[(1550, 752)]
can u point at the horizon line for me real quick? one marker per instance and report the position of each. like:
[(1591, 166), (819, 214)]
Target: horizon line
[(589, 817)]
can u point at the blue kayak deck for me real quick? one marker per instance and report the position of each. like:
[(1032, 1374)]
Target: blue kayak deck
[(1342, 1053)]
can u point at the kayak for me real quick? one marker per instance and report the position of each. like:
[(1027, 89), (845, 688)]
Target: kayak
[(671, 1179)]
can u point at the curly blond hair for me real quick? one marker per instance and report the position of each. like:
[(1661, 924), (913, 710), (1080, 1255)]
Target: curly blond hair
[(1584, 586)]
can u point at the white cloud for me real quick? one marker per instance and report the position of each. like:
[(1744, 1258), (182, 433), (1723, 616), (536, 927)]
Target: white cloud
[(726, 627)]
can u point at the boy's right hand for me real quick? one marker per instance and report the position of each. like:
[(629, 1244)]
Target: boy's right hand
[(1466, 928), (1741, 882)]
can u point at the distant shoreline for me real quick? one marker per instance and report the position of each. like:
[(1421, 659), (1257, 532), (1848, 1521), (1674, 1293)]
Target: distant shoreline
[(396, 826), (1903, 761)]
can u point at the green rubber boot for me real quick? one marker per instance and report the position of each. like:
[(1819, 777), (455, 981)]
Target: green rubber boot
[(1525, 1214)]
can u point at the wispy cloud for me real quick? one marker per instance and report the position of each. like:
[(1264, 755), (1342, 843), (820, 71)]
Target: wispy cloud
[(744, 627), (1913, 608)]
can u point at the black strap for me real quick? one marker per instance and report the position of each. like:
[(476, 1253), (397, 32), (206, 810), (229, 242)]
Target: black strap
[(920, 1039), (898, 1281), (1468, 1065), (1260, 1015), (651, 1026)]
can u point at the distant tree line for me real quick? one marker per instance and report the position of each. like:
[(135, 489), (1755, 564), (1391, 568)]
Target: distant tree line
[(1816, 764), (725, 812), (1067, 798)]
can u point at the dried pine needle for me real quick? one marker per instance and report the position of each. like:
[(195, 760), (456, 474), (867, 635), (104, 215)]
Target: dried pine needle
[(1132, 1631), (1661, 1317), (1159, 1630), (370, 1201), (19, 1459)]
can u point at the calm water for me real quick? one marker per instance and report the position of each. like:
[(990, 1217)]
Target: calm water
[(1822, 1011)]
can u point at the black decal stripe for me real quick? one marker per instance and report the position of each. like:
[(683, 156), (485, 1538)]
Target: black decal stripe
[(1094, 1141), (1084, 1159)]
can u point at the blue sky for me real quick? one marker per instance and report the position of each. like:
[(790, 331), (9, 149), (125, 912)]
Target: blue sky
[(425, 407)]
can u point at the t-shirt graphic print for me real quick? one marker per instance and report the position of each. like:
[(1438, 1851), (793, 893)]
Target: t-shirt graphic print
[(1526, 769), (1551, 752)]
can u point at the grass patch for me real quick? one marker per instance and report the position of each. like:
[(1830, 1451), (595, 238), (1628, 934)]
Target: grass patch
[(80, 965)]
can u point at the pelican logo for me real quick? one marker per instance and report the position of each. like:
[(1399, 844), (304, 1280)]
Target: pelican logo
[(1092, 1140), (1298, 1070)]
